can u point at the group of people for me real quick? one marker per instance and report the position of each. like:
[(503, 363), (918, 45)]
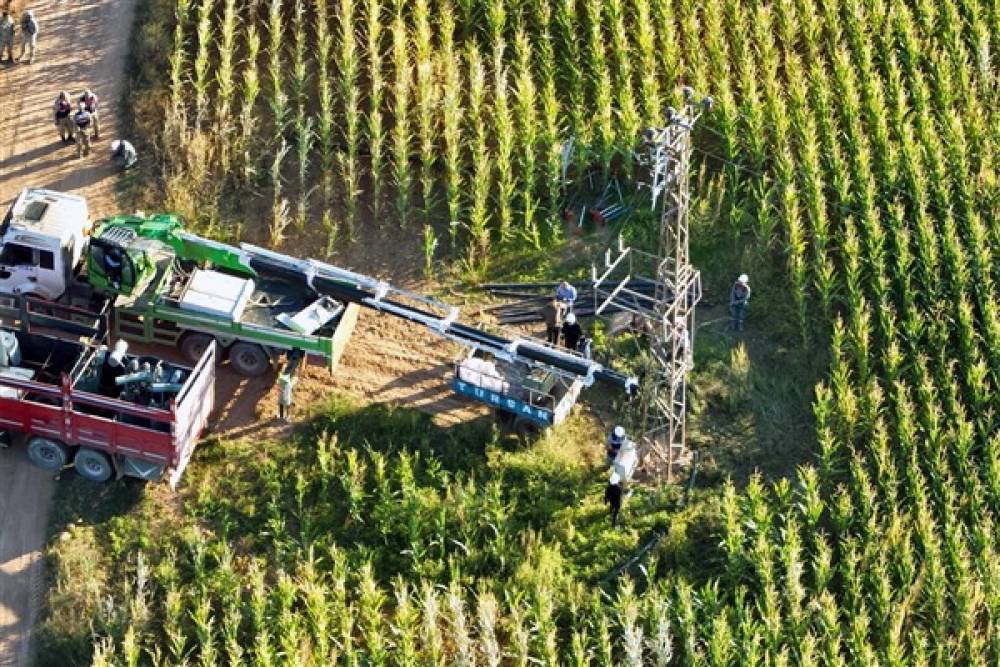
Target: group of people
[(29, 35), (561, 324), (81, 124), (77, 123)]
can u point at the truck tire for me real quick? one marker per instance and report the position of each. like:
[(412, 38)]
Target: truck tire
[(48, 454), (249, 359), (93, 465), (193, 345)]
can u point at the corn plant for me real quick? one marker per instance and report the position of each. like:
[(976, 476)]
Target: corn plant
[(202, 61), (450, 73), (226, 84), (425, 99), (249, 93), (348, 63), (303, 123), (374, 131), (402, 136)]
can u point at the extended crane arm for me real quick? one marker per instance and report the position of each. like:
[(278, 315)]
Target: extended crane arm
[(350, 287)]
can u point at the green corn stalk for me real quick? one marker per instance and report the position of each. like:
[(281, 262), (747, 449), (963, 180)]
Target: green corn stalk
[(504, 133), (325, 117), (280, 214), (425, 100), (249, 93), (349, 65), (301, 121), (202, 60), (176, 115), (405, 625), (278, 99), (527, 135), (629, 117), (402, 136), (430, 243), (601, 88), (487, 618), (449, 68), (434, 643), (226, 85), (374, 130), (481, 177)]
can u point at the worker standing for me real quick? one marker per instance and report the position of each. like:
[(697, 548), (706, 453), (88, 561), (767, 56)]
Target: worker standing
[(29, 35), (566, 295), (613, 497), (89, 101), (552, 313), (571, 332), (739, 297), (123, 154), (7, 37), (286, 387), (616, 441), (81, 119), (683, 338), (63, 110)]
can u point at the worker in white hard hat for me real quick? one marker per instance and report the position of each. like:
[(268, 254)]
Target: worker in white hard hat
[(613, 496), (123, 153), (616, 441), (571, 332), (739, 297)]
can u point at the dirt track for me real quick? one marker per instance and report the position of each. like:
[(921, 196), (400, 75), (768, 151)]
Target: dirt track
[(81, 43)]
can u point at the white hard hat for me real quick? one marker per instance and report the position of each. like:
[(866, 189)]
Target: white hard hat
[(81, 106), (571, 318), (744, 278), (618, 433), (115, 144), (615, 478)]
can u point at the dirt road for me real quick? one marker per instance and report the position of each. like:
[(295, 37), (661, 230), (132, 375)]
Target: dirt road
[(81, 43)]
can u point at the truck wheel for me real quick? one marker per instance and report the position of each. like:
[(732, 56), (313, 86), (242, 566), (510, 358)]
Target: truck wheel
[(249, 359), (47, 454), (93, 465), (193, 345)]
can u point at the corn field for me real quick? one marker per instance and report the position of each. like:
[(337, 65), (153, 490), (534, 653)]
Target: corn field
[(856, 140)]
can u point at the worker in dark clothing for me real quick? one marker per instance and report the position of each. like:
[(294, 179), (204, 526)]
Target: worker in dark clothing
[(739, 297), (571, 332), (552, 314), (613, 497)]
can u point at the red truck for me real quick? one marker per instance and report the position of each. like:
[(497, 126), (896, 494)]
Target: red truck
[(107, 412)]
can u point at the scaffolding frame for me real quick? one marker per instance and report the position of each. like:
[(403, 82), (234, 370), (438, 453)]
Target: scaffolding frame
[(667, 317)]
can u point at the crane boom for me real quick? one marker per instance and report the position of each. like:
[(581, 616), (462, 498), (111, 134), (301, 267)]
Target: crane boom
[(348, 286)]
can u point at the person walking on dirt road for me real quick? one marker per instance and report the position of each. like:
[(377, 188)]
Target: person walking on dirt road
[(29, 35), (552, 314), (739, 297), (89, 101), (81, 119), (63, 110), (7, 37)]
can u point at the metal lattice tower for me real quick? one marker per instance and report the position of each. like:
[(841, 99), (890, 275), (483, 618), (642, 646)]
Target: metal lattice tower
[(666, 312)]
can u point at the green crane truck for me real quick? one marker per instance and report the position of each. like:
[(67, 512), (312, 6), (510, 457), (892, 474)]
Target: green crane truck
[(166, 286)]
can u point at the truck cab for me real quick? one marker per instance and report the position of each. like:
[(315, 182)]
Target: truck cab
[(42, 240)]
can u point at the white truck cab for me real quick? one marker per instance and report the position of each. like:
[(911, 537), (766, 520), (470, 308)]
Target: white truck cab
[(42, 240)]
